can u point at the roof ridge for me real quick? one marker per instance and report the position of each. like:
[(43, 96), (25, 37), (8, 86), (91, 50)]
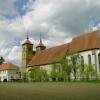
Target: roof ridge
[(85, 34)]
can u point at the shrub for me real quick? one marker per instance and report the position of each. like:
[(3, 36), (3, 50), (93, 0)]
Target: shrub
[(5, 80)]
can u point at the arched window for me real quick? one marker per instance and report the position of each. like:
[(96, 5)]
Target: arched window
[(82, 63), (89, 59), (99, 60), (82, 59)]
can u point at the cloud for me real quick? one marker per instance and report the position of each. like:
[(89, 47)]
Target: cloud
[(3, 48), (7, 6), (14, 55), (10, 53), (67, 16), (57, 20)]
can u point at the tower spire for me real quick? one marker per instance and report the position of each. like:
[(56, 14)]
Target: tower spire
[(27, 36), (40, 38), (40, 46), (27, 40)]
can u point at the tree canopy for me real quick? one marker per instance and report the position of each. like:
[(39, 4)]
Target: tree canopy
[(2, 60)]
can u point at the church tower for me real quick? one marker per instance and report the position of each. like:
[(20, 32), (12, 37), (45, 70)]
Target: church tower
[(40, 46), (27, 53)]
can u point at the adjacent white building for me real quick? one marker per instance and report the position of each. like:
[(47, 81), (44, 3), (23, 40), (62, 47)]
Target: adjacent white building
[(9, 72)]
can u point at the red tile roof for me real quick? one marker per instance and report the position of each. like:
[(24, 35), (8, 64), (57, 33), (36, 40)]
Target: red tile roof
[(78, 44), (8, 66), (48, 56), (86, 42)]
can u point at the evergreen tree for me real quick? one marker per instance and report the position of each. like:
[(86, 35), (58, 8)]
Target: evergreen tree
[(2, 60)]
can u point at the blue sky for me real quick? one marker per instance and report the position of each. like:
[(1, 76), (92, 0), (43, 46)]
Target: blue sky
[(57, 21), (19, 5)]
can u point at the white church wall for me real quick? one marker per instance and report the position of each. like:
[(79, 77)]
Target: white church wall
[(85, 56), (98, 66), (94, 58), (94, 61), (48, 68)]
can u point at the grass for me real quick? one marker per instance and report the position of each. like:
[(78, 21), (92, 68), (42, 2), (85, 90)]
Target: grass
[(50, 91)]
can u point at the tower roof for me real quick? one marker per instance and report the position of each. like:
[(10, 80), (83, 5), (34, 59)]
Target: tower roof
[(40, 43), (27, 41)]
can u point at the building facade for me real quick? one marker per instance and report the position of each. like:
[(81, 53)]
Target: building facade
[(9, 72), (87, 45)]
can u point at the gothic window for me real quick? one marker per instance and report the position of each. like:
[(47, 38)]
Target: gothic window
[(82, 60), (89, 59), (99, 60), (82, 63)]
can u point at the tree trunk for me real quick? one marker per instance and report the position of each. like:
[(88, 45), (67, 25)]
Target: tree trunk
[(74, 76), (69, 78)]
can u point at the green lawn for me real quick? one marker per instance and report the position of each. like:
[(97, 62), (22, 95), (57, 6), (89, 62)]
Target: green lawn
[(50, 91)]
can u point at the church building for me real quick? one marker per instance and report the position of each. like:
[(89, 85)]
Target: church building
[(87, 45)]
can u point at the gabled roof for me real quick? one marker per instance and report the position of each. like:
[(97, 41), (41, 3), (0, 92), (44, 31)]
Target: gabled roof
[(49, 56), (8, 66), (81, 43), (86, 42)]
